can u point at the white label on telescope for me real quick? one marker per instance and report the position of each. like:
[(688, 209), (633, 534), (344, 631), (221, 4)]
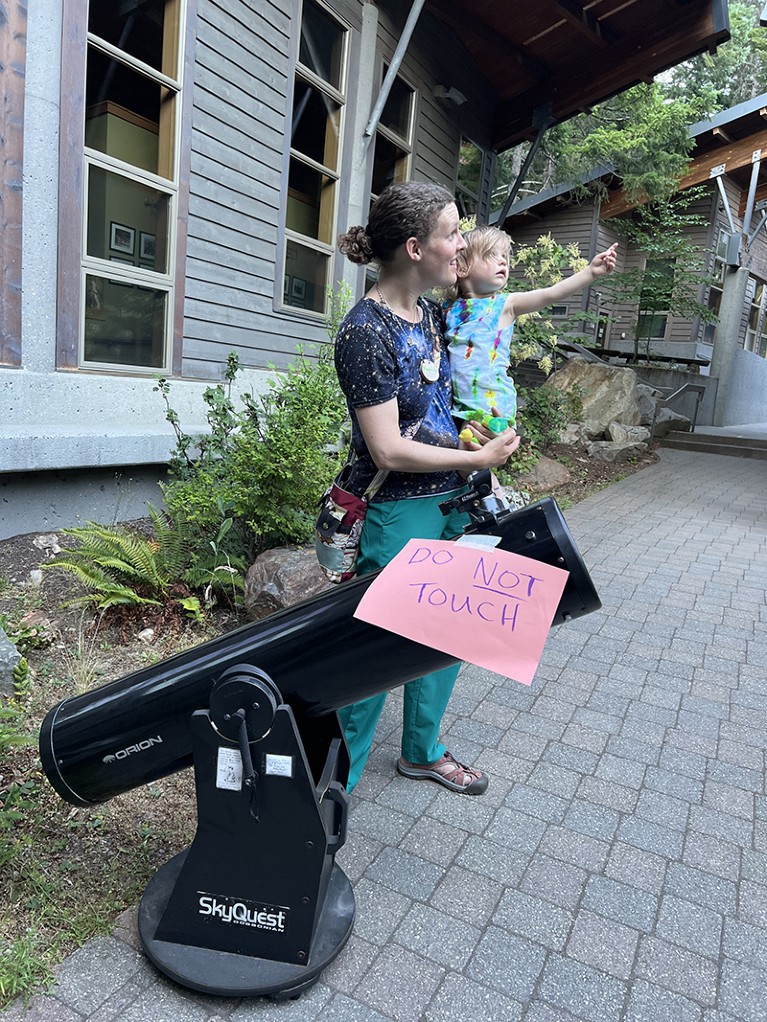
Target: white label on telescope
[(478, 539), (229, 769), (279, 766)]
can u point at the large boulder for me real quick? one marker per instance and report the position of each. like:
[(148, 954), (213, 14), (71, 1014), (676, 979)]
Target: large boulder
[(608, 450), (609, 393), (281, 577), (546, 474)]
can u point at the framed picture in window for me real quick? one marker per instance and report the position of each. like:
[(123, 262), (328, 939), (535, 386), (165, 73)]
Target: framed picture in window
[(122, 238), (298, 288), (147, 246)]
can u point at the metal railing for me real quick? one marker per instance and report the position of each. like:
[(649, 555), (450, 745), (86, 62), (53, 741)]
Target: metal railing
[(665, 402)]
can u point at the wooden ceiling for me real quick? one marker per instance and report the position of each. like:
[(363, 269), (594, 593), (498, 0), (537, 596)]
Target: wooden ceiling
[(564, 56)]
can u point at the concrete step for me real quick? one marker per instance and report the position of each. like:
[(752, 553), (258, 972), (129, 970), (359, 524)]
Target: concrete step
[(716, 443)]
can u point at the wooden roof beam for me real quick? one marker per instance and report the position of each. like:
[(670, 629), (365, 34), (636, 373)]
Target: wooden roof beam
[(585, 22), (736, 155), (536, 69)]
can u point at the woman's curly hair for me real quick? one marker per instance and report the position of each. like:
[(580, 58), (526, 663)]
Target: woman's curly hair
[(407, 210)]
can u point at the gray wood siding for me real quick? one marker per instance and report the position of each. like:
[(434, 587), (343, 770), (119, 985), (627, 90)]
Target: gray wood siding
[(239, 161), (242, 74), (572, 223)]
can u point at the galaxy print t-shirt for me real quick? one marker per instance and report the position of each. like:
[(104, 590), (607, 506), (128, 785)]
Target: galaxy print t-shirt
[(378, 358)]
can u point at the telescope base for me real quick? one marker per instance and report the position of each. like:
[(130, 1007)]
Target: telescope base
[(232, 975)]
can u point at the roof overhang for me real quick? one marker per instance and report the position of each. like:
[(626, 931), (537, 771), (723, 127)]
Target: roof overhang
[(556, 58)]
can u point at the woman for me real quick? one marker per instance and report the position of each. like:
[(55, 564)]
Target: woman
[(392, 364)]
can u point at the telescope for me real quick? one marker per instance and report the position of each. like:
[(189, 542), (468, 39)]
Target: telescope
[(257, 904)]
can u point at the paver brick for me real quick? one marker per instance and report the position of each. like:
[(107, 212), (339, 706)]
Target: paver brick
[(554, 880), (607, 945), (621, 902), (702, 888), (675, 969), (533, 918), (583, 991), (650, 1003), (492, 957), (689, 925)]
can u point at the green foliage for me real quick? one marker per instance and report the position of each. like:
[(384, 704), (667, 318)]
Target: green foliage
[(120, 567), (544, 412), (673, 270), (544, 264), (639, 135), (642, 137), (263, 466), (736, 72)]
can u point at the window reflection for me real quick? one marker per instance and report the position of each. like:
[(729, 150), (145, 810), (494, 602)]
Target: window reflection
[(321, 47), (135, 27), (124, 322), (127, 219)]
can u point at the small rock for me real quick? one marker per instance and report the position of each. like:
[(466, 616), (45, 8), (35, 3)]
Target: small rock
[(146, 635), (36, 578), (47, 541), (9, 659), (621, 434), (606, 450)]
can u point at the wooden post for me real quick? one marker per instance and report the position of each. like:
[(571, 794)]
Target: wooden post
[(13, 56)]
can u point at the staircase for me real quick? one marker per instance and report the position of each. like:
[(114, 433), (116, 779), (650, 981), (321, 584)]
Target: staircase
[(717, 443)]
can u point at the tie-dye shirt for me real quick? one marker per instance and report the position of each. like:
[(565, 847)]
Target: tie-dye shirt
[(378, 358), (479, 357)]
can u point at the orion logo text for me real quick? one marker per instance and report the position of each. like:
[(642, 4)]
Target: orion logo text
[(244, 913), (130, 749)]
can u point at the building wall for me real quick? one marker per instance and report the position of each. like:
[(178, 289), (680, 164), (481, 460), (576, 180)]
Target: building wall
[(242, 54)]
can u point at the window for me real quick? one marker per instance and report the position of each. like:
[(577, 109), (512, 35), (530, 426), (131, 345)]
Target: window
[(469, 180), (315, 153), (393, 146), (132, 97), (715, 290), (756, 331), (657, 285), (393, 141)]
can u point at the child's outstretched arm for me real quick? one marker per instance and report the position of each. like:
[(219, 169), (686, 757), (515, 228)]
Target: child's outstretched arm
[(522, 302)]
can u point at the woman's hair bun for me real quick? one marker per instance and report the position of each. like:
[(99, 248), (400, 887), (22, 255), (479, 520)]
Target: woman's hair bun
[(356, 245)]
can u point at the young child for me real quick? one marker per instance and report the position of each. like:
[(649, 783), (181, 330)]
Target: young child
[(480, 321)]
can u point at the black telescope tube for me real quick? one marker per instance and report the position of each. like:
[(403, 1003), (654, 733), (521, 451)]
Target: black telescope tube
[(137, 729)]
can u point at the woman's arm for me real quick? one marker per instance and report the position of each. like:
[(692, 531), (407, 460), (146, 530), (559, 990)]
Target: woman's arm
[(523, 302), (390, 450)]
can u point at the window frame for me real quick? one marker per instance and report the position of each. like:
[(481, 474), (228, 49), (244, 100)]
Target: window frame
[(75, 160), (340, 97), (402, 143)]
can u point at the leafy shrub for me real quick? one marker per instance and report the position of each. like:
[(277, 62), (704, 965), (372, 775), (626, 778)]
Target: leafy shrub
[(263, 466), (544, 412)]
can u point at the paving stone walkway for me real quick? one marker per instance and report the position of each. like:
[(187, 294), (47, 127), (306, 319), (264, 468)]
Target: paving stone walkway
[(616, 869)]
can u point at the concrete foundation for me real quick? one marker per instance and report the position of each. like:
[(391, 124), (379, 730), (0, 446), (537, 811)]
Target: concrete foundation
[(54, 500)]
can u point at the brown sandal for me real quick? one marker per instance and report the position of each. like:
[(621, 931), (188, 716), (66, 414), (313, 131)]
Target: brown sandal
[(448, 772)]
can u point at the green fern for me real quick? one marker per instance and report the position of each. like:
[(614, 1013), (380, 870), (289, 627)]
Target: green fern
[(119, 567)]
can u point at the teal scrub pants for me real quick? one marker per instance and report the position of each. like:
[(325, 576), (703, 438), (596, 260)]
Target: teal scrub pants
[(388, 527)]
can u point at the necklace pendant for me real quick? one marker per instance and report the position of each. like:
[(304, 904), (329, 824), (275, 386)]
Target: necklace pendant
[(429, 371)]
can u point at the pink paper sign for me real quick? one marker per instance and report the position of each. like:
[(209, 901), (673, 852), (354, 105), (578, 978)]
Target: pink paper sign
[(489, 607)]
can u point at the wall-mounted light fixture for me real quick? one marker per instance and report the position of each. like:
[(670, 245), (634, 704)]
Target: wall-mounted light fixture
[(452, 95)]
